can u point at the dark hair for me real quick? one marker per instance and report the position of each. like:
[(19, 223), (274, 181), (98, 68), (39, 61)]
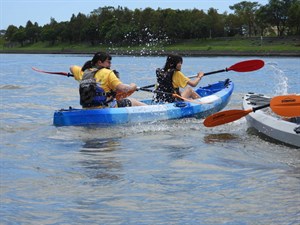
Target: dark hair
[(172, 61), (102, 56)]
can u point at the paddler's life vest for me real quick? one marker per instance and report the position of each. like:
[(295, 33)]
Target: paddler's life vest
[(91, 94), (165, 84)]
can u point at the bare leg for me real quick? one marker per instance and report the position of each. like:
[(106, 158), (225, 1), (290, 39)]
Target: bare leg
[(135, 102), (190, 93)]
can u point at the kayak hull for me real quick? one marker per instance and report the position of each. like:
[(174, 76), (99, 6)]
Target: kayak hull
[(215, 97), (269, 124)]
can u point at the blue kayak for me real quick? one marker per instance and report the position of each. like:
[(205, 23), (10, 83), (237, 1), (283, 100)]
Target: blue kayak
[(214, 97)]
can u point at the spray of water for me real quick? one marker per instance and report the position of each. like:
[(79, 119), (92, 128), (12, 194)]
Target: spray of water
[(151, 42), (281, 87)]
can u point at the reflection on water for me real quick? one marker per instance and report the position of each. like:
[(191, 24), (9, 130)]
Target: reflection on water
[(223, 137), (100, 145), (97, 161), (10, 87)]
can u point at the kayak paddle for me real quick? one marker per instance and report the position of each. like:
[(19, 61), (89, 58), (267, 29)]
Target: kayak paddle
[(244, 66), (287, 106), (57, 73)]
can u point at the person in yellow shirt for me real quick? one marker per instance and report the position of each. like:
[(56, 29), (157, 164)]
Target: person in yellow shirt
[(170, 79), (99, 84)]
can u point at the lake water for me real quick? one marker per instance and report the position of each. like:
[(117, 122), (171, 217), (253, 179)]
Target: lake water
[(172, 172)]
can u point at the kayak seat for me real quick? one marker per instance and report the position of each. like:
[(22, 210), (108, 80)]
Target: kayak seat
[(212, 88), (205, 92), (258, 99)]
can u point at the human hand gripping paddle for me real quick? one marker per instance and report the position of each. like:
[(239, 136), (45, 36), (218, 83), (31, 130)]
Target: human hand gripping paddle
[(285, 105)]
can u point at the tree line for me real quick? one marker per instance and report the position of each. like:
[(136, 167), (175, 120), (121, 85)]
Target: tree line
[(122, 26)]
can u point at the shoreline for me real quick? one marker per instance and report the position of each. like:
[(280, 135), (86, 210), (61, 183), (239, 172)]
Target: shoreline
[(161, 53)]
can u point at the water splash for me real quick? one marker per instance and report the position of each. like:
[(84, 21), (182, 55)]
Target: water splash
[(151, 43), (281, 80)]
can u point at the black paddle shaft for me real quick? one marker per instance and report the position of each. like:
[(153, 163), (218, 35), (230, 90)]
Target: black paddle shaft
[(154, 91), (218, 71), (260, 107)]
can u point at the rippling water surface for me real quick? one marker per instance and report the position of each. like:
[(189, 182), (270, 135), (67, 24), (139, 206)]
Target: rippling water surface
[(172, 172)]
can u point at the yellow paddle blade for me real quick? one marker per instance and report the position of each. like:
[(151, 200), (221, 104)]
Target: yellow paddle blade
[(286, 105)]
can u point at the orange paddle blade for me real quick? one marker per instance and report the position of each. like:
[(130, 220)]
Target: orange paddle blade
[(286, 105), (121, 95), (225, 117)]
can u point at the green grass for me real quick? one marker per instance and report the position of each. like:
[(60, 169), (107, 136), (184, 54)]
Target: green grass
[(238, 45), (210, 45)]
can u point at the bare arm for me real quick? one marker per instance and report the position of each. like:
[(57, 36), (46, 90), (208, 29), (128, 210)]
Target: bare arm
[(126, 87), (195, 82)]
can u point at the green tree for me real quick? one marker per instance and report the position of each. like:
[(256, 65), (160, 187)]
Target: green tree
[(32, 31), (246, 13), (19, 36), (50, 32), (121, 26), (215, 23), (294, 17), (171, 22), (11, 30), (233, 26), (261, 19), (76, 28), (199, 27), (278, 14), (92, 30)]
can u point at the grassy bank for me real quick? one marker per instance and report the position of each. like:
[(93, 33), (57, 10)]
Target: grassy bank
[(219, 46)]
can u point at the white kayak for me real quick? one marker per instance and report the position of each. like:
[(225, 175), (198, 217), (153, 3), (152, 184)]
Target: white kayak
[(269, 124)]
